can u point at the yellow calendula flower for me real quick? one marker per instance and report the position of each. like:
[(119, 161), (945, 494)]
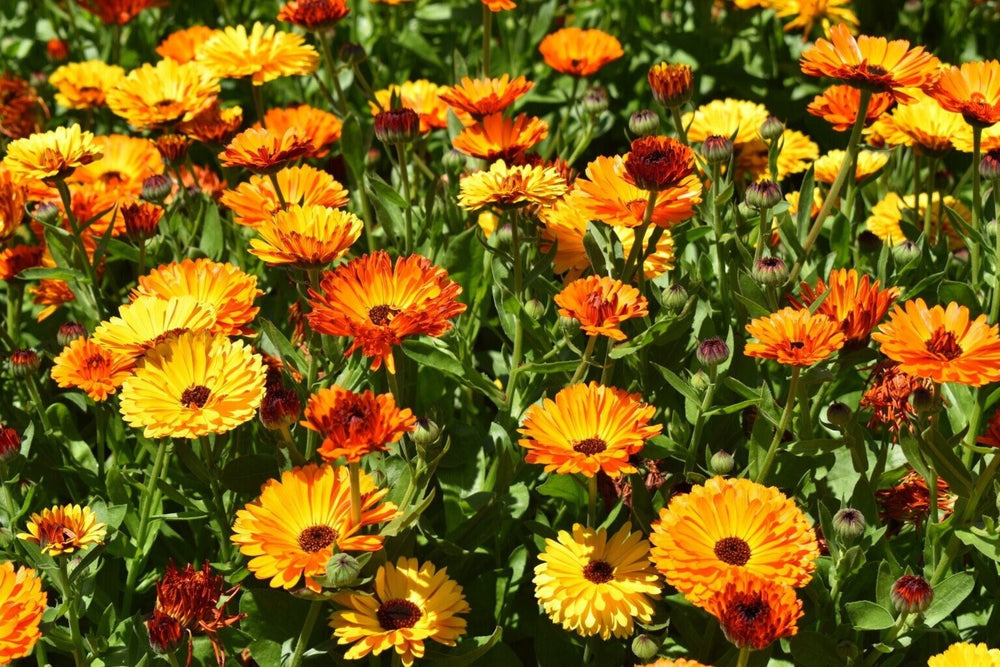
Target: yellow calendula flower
[(51, 155), (263, 54), (84, 85), (510, 187), (154, 96), (63, 530)]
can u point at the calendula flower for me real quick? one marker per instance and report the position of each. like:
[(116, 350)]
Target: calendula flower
[(658, 163), (21, 110), (922, 125), (909, 500), (182, 45), (797, 153), (596, 585), (677, 662), (22, 603), (888, 213), (991, 438), (965, 654), (729, 524), (225, 288), (422, 97), (64, 529), (972, 90), (261, 151), (838, 105), (413, 602), (497, 137), (380, 305), (510, 187), (754, 610), (203, 179), (499, 5), (89, 367), (148, 320), (726, 118), (586, 429), (301, 520), (795, 337), (888, 395), (579, 52), (213, 125), (13, 197), (600, 304), (353, 425), (255, 202), (313, 14), (672, 85), (853, 300), (84, 85), (154, 96), (321, 127), (871, 63), (807, 12), (868, 164), (941, 343), (484, 97), (51, 155), (306, 236), (264, 54), (125, 163), (117, 12), (17, 258), (608, 195), (193, 384)]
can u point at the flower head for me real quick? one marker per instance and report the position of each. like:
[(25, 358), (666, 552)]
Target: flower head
[(87, 366), (262, 151), (922, 124), (725, 118), (579, 52), (154, 96), (353, 425), (181, 45), (63, 530), (807, 12), (313, 14), (909, 500), (148, 320), (421, 96), (889, 212), (867, 165), (212, 125), (854, 301), (484, 97), (22, 603), (672, 85), (125, 163), (306, 236), (51, 155), (321, 127), (21, 110), (601, 304), (754, 610), (965, 654), (497, 137), (658, 163), (972, 90), (84, 85), (794, 337), (264, 54), (593, 584), (255, 202), (13, 197), (510, 187), (888, 395), (838, 105)]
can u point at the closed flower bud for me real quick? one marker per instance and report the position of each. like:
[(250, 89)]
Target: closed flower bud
[(279, 408), (397, 126), (352, 54), (156, 188), (595, 101), (849, 523), (989, 166), (69, 332), (905, 252), (712, 352), (911, 594), (645, 647), (763, 194), (722, 462), (426, 433), (569, 325), (534, 309), (10, 442), (23, 362), (675, 298), (673, 85), (700, 381), (173, 148), (771, 129), (922, 400), (47, 213), (453, 161), (165, 632), (342, 570), (770, 271), (142, 220), (643, 122), (838, 414), (57, 49), (717, 149)]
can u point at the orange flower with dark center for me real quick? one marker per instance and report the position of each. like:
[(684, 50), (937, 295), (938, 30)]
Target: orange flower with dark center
[(601, 304), (306, 236), (255, 202), (888, 395), (91, 368), (64, 529), (214, 125), (972, 90), (117, 12), (484, 97), (53, 155), (353, 425), (658, 163), (672, 85), (380, 305), (313, 14), (794, 337), (909, 500), (991, 437), (17, 258), (838, 105), (497, 137), (511, 187), (754, 610), (941, 343), (854, 301), (181, 45), (126, 162), (321, 127), (262, 151), (52, 294), (579, 52), (871, 63)]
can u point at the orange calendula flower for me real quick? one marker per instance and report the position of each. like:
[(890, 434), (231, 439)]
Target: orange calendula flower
[(84, 85), (225, 288), (497, 137), (13, 197), (838, 105), (593, 584), (922, 124), (380, 305), (126, 162), (657, 262), (214, 125), (297, 523), (991, 437), (888, 395), (22, 603), (89, 367), (422, 97), (579, 52), (413, 602), (510, 187), (255, 202), (117, 12), (353, 425), (306, 236), (676, 662), (17, 258), (484, 97), (871, 63), (51, 155), (601, 304), (972, 90), (754, 610), (795, 337), (658, 163), (586, 429), (732, 524), (65, 529), (941, 343), (610, 196), (564, 225), (264, 54), (807, 12), (182, 45), (909, 501), (321, 127), (853, 300), (313, 14), (21, 110), (672, 85), (148, 320), (261, 151), (154, 96)]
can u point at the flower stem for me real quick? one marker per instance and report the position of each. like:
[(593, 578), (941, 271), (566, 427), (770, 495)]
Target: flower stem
[(699, 424), (487, 39), (977, 203), (36, 398), (744, 658), (763, 233), (149, 499), (404, 179), (515, 251), (289, 443), (354, 472), (592, 500), (581, 370), (786, 417), (995, 304), (273, 177), (221, 516), (638, 242), (307, 628), (675, 115), (84, 259), (258, 100), (15, 296), (72, 613), (331, 66)]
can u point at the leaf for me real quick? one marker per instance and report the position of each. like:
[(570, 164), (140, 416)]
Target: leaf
[(212, 242), (986, 541), (247, 473), (281, 345), (563, 487), (468, 651), (52, 273), (815, 649), (947, 596), (866, 615)]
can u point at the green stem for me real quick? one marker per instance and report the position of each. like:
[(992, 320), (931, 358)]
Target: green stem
[(515, 251), (273, 177), (592, 500), (581, 370), (404, 179), (833, 195), (720, 263), (763, 234), (289, 443), (930, 229), (150, 498), (638, 242), (487, 39), (69, 594), (36, 398), (699, 424), (354, 471), (307, 628), (142, 258), (80, 250), (257, 95), (786, 417), (218, 501), (977, 204), (805, 414), (744, 658), (995, 304), (331, 66), (15, 297), (675, 115)]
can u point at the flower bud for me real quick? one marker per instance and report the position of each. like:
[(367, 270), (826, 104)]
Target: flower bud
[(156, 188), (397, 126), (643, 122), (352, 54), (165, 632), (712, 352), (911, 594), (47, 213), (771, 129), (717, 149), (426, 433), (905, 252), (645, 647), (453, 161), (69, 332), (922, 400), (569, 325), (722, 462), (57, 49), (989, 166), (700, 381), (342, 570), (673, 85), (142, 220), (763, 194), (675, 298), (849, 523), (23, 362), (534, 309), (173, 148), (10, 442), (838, 414), (279, 408), (770, 271), (595, 102)]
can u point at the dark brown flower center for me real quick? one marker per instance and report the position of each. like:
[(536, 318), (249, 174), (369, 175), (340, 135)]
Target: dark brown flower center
[(877, 70), (732, 550), (396, 613), (195, 396), (314, 538), (382, 314), (750, 609), (95, 361), (943, 345), (165, 103), (796, 345), (598, 572), (590, 446)]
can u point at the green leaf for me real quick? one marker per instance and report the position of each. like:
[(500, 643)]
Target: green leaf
[(247, 473), (866, 615), (947, 596), (52, 273), (986, 541), (212, 242), (563, 487), (279, 344), (467, 652)]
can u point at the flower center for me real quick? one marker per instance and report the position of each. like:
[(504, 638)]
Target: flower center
[(195, 396), (164, 103), (732, 550), (598, 572), (942, 345), (94, 362), (396, 614), (877, 70), (314, 538), (590, 446), (382, 314), (796, 345)]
